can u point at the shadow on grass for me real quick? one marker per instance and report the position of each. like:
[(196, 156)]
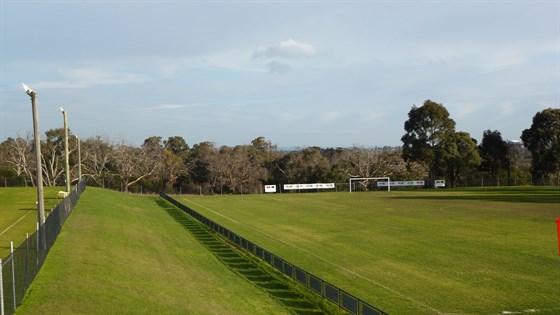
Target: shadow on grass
[(248, 268), (505, 194)]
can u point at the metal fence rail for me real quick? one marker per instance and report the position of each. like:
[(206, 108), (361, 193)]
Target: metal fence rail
[(323, 288), (18, 270)]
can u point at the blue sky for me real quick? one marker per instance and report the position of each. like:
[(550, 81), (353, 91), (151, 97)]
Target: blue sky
[(300, 73)]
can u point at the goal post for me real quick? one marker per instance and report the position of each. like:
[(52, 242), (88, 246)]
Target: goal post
[(363, 179)]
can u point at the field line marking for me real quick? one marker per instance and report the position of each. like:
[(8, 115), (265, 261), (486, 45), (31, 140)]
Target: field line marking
[(217, 213), (324, 259), (276, 199), (9, 227)]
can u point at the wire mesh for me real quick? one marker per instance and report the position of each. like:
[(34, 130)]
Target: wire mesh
[(19, 269)]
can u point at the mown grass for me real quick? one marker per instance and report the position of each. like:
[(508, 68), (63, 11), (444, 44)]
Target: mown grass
[(474, 251), (124, 254), (18, 213)]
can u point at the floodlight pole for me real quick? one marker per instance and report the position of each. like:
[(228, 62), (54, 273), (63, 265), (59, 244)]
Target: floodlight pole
[(66, 150), (37, 138), (79, 160)]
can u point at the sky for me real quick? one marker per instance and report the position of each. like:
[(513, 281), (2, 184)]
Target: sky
[(299, 73)]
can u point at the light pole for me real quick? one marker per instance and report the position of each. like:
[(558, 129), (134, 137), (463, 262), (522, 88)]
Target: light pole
[(66, 155), (79, 160), (36, 135)]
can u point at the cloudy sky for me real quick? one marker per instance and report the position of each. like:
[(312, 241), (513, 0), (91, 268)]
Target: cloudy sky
[(300, 73)]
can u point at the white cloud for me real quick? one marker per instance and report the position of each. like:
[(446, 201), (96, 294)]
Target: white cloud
[(278, 67), (88, 77), (289, 49), (165, 107)]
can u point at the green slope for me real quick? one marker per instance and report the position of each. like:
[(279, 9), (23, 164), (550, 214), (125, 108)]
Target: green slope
[(124, 254)]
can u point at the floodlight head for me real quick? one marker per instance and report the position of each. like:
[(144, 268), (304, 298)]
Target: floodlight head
[(27, 89), (62, 110)]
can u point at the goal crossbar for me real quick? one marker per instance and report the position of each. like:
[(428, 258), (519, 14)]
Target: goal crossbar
[(369, 178)]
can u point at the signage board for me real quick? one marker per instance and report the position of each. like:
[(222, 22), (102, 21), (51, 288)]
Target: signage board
[(309, 186), (401, 183)]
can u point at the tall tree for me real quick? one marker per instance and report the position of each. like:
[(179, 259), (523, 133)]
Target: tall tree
[(543, 141), (175, 165), (307, 165), (177, 145), (200, 154), (262, 152), (494, 153), (53, 156), (18, 156), (426, 128), (244, 169), (96, 158), (519, 168), (375, 162), (134, 164), (457, 155)]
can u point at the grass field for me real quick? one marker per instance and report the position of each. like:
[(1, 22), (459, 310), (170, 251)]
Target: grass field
[(476, 251), (129, 254), (18, 213)]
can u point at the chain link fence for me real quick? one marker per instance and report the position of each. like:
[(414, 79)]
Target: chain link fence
[(336, 295), (18, 270)]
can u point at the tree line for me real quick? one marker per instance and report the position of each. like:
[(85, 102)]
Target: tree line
[(432, 149)]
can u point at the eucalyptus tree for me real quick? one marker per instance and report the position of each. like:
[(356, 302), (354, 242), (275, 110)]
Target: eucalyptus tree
[(457, 156), (199, 172), (494, 153), (543, 141), (244, 169), (96, 159), (17, 156), (53, 156), (426, 129), (175, 160), (133, 164)]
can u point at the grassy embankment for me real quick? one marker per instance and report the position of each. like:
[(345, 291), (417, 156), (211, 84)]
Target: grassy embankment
[(120, 253)]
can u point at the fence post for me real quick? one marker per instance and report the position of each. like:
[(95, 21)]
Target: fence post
[(1, 289), (37, 247), (13, 272), (27, 282)]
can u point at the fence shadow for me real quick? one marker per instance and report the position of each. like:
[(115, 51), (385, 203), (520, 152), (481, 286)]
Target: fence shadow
[(248, 268)]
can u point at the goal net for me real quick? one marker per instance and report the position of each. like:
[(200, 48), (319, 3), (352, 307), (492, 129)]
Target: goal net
[(369, 183)]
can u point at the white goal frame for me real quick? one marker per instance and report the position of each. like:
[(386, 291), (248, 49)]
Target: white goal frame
[(368, 178)]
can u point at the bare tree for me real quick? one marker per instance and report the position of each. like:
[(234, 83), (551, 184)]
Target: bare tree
[(245, 170), (53, 156), (97, 155), (375, 162), (133, 164), (19, 156)]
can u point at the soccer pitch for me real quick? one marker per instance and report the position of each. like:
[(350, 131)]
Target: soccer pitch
[(476, 251), (18, 213)]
